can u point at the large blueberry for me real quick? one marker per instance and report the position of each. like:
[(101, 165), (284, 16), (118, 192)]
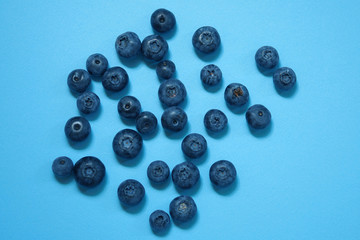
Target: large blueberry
[(162, 20), (128, 45), (154, 47), (185, 175), (159, 221), (89, 171), (97, 64), (129, 107), (146, 123), (88, 102), (62, 166), (77, 128), (236, 94), (79, 80), (172, 92), (222, 173), (127, 143), (284, 78), (174, 119), (182, 209), (115, 79), (158, 172), (206, 39), (130, 192), (211, 75), (194, 145), (165, 69), (266, 58), (215, 120), (258, 116)]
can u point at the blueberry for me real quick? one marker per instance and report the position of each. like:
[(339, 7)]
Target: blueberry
[(62, 167), (97, 64), (211, 75), (115, 79), (162, 20), (215, 120), (284, 78), (146, 123), (266, 58), (185, 175), (130, 192), (79, 80), (194, 145), (159, 221), (182, 209), (88, 102), (222, 173), (89, 171), (236, 94), (165, 69), (174, 119), (154, 47), (206, 39), (127, 143), (172, 92), (128, 45), (258, 116), (158, 172), (129, 107), (77, 128)]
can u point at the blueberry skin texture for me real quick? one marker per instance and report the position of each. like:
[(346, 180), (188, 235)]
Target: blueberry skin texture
[(79, 80), (88, 102), (130, 192), (266, 58), (185, 175), (62, 167), (146, 123), (158, 172), (154, 47), (211, 75), (258, 116), (284, 78), (172, 92), (194, 145), (77, 129), (206, 39), (162, 20), (115, 79), (159, 221), (128, 45), (89, 171), (129, 107), (215, 120), (222, 173), (97, 64), (174, 119), (165, 69), (236, 94), (127, 143), (182, 209)]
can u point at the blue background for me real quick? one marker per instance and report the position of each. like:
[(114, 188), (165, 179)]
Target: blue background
[(298, 180)]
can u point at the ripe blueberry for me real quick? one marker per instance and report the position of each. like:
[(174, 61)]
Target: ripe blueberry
[(172, 92), (211, 75), (158, 172), (215, 120), (222, 173), (266, 58), (284, 78), (182, 209), (79, 80), (62, 167), (128, 45), (194, 145), (77, 128), (88, 102), (115, 79), (206, 39), (146, 123), (174, 119), (258, 116), (185, 175), (130, 192), (129, 107), (162, 20), (165, 69), (236, 94), (127, 143), (97, 64), (89, 171), (154, 47), (159, 221)]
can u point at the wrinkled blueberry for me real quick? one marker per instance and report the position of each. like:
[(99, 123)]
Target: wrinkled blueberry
[(182, 209), (159, 221), (128, 45), (115, 79), (194, 145), (62, 167), (211, 75), (89, 171), (215, 120), (97, 64), (172, 92), (130, 192), (162, 20), (222, 173), (174, 119), (258, 116), (266, 58), (88, 102), (185, 175), (79, 80), (206, 39), (77, 128), (284, 78), (236, 94), (129, 107), (127, 143), (158, 172), (165, 69), (146, 123), (154, 47)]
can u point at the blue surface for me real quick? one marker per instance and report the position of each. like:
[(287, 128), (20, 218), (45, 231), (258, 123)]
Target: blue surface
[(301, 180)]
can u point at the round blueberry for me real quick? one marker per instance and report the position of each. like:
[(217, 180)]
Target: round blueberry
[(158, 172), (130, 192), (266, 58), (159, 221), (222, 173), (185, 175), (115, 79), (89, 171), (258, 116), (284, 78), (236, 94), (206, 39), (146, 123), (211, 75), (172, 92), (162, 20), (194, 145), (79, 80), (215, 120), (127, 143), (88, 102), (129, 107), (128, 45), (97, 64), (182, 209), (77, 128), (154, 47), (174, 119), (165, 69), (62, 167)]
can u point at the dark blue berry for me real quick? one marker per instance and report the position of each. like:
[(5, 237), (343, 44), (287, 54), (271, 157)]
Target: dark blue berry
[(266, 58), (146, 123), (129, 107), (182, 209), (127, 143), (154, 47), (215, 120), (174, 119), (194, 145), (88, 102), (158, 172), (162, 20), (185, 175), (62, 167), (130, 192), (79, 80), (128, 45), (206, 39), (222, 173), (77, 128), (115, 79), (258, 116), (165, 69), (97, 64), (236, 94), (172, 92), (284, 78), (159, 221), (211, 75), (89, 171)]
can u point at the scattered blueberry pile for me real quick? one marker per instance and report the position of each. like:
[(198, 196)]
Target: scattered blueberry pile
[(89, 171)]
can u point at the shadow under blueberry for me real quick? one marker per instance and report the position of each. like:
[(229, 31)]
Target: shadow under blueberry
[(131, 62), (239, 109), (259, 133), (189, 224), (127, 121), (189, 192), (131, 162), (209, 57), (288, 93), (64, 180), (215, 88), (182, 105), (229, 190), (161, 186), (152, 135), (94, 115), (93, 191), (81, 144), (220, 134), (117, 95), (96, 78), (167, 35), (177, 135), (200, 160), (134, 209)]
